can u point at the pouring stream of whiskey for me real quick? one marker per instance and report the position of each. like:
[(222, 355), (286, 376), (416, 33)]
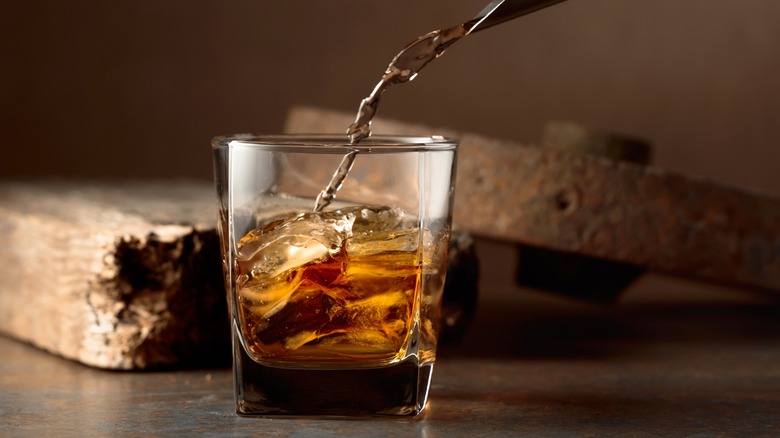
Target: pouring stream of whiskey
[(408, 63)]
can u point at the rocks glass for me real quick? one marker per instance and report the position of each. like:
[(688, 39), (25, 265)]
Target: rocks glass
[(334, 311)]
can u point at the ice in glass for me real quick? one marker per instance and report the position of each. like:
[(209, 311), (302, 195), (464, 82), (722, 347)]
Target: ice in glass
[(334, 311)]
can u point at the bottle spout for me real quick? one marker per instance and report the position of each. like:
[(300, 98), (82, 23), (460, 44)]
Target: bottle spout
[(499, 11)]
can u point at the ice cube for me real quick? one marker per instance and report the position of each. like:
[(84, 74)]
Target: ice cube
[(381, 229), (376, 219), (285, 244)]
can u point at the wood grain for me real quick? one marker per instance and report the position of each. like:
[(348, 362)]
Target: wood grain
[(114, 275)]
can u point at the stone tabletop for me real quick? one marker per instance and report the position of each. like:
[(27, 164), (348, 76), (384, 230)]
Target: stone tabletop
[(529, 366)]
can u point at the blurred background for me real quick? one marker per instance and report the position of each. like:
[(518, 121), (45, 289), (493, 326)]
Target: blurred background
[(136, 89)]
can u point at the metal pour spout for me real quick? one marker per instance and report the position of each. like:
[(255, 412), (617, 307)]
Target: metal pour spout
[(499, 11)]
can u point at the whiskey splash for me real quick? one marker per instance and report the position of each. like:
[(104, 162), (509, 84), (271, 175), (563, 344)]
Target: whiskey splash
[(408, 63)]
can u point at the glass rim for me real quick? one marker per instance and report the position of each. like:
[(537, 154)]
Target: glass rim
[(334, 143)]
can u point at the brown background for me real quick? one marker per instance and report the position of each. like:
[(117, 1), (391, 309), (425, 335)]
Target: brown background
[(137, 88)]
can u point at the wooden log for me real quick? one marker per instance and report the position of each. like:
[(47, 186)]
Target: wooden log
[(118, 276), (571, 274), (128, 275), (590, 205)]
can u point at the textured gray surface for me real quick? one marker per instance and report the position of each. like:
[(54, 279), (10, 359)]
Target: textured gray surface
[(529, 368)]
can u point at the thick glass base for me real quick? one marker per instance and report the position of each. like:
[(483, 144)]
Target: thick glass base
[(396, 390)]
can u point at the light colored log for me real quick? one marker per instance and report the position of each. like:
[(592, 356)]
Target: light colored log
[(117, 276)]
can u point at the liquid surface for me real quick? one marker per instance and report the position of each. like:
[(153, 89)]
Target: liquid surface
[(333, 287)]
